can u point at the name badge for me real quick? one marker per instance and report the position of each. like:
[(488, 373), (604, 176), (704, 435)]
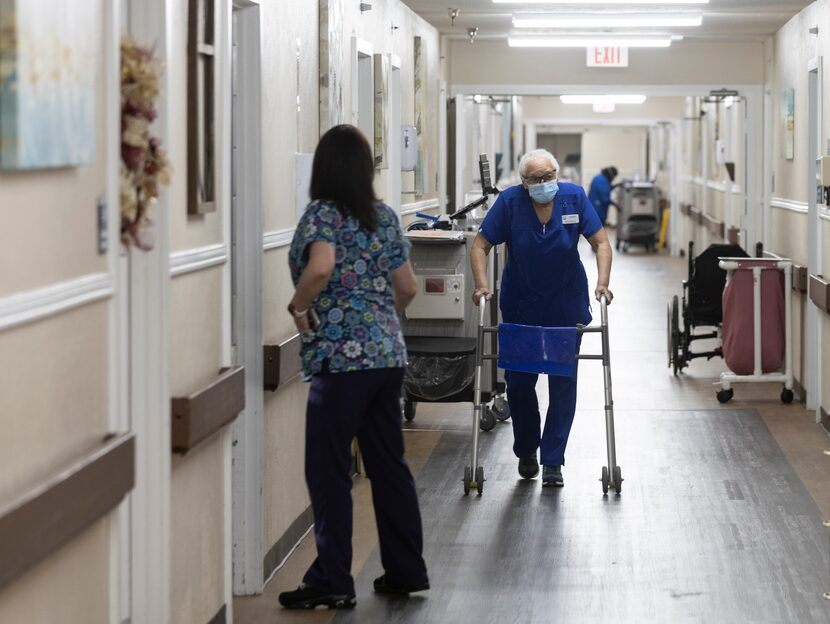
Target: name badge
[(570, 218)]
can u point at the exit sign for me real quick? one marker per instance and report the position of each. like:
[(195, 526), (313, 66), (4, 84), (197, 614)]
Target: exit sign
[(607, 57)]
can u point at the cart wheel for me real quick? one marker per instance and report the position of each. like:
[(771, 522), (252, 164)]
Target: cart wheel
[(617, 244), (675, 335), (605, 480), (467, 480), (787, 395), (725, 395), (487, 420), (501, 409), (480, 480), (617, 479), (409, 410)]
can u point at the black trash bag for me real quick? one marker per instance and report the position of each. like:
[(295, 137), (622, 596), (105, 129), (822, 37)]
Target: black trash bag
[(436, 377)]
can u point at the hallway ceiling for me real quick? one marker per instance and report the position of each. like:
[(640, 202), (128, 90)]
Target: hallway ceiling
[(735, 20)]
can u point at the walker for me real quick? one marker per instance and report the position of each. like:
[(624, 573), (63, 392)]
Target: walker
[(611, 473)]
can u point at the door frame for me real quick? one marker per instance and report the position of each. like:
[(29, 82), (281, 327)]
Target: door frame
[(393, 173), (814, 231), (149, 361), (248, 430)]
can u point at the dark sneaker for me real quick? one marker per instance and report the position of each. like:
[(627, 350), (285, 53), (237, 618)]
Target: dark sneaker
[(383, 585), (552, 475), (306, 597), (528, 467)]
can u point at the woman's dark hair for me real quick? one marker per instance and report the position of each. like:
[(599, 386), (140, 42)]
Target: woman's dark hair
[(343, 171), (610, 173)]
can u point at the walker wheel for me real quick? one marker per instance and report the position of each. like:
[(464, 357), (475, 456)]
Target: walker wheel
[(787, 395), (605, 480), (409, 410), (467, 480), (725, 395), (480, 480), (617, 479), (487, 420), (674, 335)]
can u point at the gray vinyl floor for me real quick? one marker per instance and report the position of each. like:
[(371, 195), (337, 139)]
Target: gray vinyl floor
[(713, 525)]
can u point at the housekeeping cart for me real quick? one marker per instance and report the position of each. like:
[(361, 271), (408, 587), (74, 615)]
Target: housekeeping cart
[(550, 352), (757, 324)]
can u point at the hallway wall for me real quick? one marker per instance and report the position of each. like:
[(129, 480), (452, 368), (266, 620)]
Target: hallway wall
[(54, 358), (489, 63), (788, 54)]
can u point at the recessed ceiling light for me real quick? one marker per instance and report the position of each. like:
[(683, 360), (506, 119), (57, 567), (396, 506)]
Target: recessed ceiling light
[(606, 20), (591, 41), (622, 98)]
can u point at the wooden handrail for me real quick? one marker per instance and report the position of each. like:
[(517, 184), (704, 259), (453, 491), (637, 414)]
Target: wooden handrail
[(715, 226), (820, 292), (199, 415), (50, 514), (281, 363)]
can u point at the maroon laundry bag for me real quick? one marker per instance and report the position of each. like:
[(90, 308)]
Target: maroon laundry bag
[(739, 324)]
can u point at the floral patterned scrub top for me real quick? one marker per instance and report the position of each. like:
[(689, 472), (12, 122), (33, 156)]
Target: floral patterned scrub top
[(359, 328)]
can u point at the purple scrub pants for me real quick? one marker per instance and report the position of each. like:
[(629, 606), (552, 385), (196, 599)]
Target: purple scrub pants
[(366, 405)]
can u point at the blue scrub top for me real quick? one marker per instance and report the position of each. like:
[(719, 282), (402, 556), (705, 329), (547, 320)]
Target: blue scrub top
[(544, 282), (599, 195)]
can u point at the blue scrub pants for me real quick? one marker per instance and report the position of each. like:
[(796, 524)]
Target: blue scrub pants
[(365, 404), (524, 413)]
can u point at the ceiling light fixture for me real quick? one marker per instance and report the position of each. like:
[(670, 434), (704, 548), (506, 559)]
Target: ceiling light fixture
[(602, 99), (592, 41), (627, 2), (606, 20)]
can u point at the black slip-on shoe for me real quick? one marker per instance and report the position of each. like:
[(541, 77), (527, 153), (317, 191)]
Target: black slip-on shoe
[(306, 597), (552, 476), (528, 466), (383, 585)]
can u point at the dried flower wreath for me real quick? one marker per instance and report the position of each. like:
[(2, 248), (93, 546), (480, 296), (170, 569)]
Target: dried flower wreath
[(144, 165)]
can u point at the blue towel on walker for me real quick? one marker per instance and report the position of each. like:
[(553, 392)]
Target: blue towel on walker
[(532, 349)]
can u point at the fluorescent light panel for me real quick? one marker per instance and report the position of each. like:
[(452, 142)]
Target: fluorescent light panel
[(622, 98), (626, 2), (590, 41), (606, 20)]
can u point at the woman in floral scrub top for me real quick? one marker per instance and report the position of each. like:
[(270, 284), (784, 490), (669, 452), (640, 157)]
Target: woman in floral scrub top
[(349, 263)]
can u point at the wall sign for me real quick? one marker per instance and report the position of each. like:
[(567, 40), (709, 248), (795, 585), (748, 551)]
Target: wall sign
[(607, 57)]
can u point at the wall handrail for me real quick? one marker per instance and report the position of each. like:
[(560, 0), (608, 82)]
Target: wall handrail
[(48, 515), (819, 290), (282, 363), (199, 415)]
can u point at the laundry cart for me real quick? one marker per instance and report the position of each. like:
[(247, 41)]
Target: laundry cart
[(757, 324), (440, 326), (639, 221)]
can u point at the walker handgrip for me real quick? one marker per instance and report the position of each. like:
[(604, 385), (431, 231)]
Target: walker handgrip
[(603, 307), (482, 301)]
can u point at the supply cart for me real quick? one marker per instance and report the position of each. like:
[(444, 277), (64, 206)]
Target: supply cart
[(757, 324), (547, 346), (639, 221)]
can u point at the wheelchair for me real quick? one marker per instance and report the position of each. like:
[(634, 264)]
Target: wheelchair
[(700, 305)]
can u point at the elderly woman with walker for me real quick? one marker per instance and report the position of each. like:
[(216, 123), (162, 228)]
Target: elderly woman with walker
[(544, 284)]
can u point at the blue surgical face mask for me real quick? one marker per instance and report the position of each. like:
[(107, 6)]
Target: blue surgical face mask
[(543, 193)]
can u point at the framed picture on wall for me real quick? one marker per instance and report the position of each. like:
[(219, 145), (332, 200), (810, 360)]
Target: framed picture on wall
[(788, 123), (48, 65)]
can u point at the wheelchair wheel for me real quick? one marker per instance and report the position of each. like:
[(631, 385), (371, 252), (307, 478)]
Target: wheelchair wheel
[(674, 336)]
